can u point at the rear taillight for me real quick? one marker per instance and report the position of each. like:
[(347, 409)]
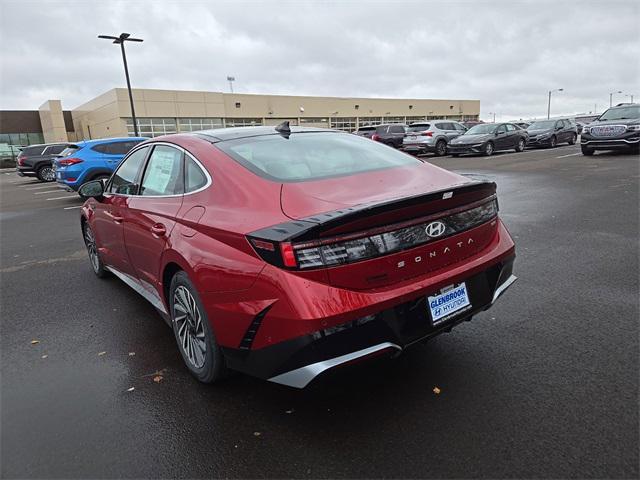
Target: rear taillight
[(375, 137), (373, 243), (21, 160), (427, 134), (65, 162)]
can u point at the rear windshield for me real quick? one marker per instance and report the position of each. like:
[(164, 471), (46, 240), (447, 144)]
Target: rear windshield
[(29, 151), (541, 125), (366, 129), (420, 127), (70, 150), (312, 156)]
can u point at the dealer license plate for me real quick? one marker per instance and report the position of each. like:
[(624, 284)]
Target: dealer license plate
[(448, 303)]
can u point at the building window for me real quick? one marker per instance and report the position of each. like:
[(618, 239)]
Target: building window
[(394, 119), (416, 119), (195, 124), (22, 138), (348, 124), (304, 120), (356, 107), (237, 104), (367, 121), (152, 127), (242, 122)]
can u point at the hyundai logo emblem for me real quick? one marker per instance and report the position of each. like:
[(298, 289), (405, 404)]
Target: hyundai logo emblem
[(435, 229)]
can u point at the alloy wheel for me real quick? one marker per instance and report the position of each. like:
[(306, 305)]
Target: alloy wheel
[(521, 145), (188, 322), (47, 174), (442, 148), (90, 242), (488, 150)]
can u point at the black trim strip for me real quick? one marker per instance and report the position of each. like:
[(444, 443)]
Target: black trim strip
[(250, 334)]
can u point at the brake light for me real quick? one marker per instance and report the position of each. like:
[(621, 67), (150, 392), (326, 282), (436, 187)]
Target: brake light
[(375, 137), (65, 162), (427, 134), (373, 243), (21, 160)]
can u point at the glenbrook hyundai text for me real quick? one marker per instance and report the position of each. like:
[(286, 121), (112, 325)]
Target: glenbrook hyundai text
[(283, 253)]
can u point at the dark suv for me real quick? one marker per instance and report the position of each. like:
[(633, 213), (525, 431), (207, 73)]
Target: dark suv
[(390, 134), (549, 133), (616, 128), (36, 161)]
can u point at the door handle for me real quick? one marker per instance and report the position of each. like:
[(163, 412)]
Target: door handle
[(159, 229)]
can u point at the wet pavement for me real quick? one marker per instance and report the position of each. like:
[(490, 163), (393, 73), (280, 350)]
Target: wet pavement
[(545, 384)]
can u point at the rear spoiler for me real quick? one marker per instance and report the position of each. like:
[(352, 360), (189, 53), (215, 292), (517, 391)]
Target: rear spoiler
[(309, 228)]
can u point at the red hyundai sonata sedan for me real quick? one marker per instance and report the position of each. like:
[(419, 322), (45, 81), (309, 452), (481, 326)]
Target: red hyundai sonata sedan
[(283, 253)]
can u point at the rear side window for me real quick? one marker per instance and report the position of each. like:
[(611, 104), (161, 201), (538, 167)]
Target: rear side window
[(459, 127), (163, 173), (30, 151), (383, 129), (441, 126), (124, 178), (120, 148), (70, 150), (56, 149), (195, 177), (101, 148), (511, 128), (310, 156), (396, 129)]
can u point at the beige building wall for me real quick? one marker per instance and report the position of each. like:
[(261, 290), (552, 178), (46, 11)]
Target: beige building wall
[(52, 121), (106, 115)]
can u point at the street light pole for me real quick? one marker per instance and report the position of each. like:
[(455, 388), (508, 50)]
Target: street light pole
[(231, 80), (611, 97), (126, 37), (494, 116), (549, 104), (626, 95)]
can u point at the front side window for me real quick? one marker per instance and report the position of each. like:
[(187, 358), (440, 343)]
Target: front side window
[(163, 173), (501, 129), (123, 180), (312, 156), (120, 148)]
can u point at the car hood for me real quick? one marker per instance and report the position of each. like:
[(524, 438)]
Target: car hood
[(626, 121), (304, 199), (464, 139), (539, 131)]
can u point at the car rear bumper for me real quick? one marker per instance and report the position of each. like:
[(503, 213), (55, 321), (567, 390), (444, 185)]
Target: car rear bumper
[(418, 148), (25, 172), (298, 361)]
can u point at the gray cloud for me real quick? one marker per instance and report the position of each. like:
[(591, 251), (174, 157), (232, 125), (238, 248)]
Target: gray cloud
[(508, 55)]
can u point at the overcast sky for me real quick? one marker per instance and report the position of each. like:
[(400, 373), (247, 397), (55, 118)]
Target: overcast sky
[(507, 54)]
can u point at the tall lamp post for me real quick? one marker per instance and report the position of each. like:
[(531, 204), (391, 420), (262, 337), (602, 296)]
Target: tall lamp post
[(494, 116), (126, 37), (549, 104), (611, 97), (627, 95), (231, 79)]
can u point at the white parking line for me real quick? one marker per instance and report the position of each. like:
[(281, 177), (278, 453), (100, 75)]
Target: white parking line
[(570, 155), (75, 206), (60, 198), (29, 187), (57, 190)]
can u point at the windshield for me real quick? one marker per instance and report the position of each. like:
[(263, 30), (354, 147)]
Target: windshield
[(418, 128), (484, 128), (625, 113), (311, 156), (542, 125)]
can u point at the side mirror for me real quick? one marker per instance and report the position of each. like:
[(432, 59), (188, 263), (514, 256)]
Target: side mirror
[(94, 188)]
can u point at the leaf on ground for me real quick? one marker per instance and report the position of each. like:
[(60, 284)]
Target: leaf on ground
[(44, 356), (289, 411), (35, 342), (436, 390), (131, 389), (158, 378), (101, 353), (131, 354), (257, 434)]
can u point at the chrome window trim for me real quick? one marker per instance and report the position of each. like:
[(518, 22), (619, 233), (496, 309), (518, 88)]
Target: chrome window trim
[(178, 147)]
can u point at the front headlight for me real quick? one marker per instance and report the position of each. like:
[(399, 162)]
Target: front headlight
[(544, 135), (633, 128), (586, 129)]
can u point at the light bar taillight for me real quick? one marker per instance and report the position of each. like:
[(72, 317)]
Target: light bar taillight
[(65, 162), (366, 245)]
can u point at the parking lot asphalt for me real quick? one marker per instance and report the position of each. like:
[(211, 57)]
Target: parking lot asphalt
[(544, 384)]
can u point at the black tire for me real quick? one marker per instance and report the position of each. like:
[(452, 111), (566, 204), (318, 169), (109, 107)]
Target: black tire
[(587, 151), (92, 250), (573, 139), (520, 145), (488, 149), (45, 173), (441, 148), (553, 143), (207, 366)]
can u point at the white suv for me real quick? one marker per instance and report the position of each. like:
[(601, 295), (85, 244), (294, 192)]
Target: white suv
[(432, 136)]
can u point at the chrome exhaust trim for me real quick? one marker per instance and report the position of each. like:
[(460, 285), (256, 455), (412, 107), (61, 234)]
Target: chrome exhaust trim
[(301, 377), (503, 286)]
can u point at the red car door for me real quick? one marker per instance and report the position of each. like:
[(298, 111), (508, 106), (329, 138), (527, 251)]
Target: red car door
[(151, 215), (109, 212)]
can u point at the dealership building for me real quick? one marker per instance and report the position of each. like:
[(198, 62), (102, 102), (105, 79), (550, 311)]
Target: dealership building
[(161, 112)]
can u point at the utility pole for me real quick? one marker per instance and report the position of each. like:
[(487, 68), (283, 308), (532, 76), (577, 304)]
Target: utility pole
[(549, 104), (611, 97), (119, 40)]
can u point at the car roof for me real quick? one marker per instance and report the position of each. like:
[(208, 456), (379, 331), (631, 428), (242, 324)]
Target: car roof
[(234, 133), (98, 141)]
